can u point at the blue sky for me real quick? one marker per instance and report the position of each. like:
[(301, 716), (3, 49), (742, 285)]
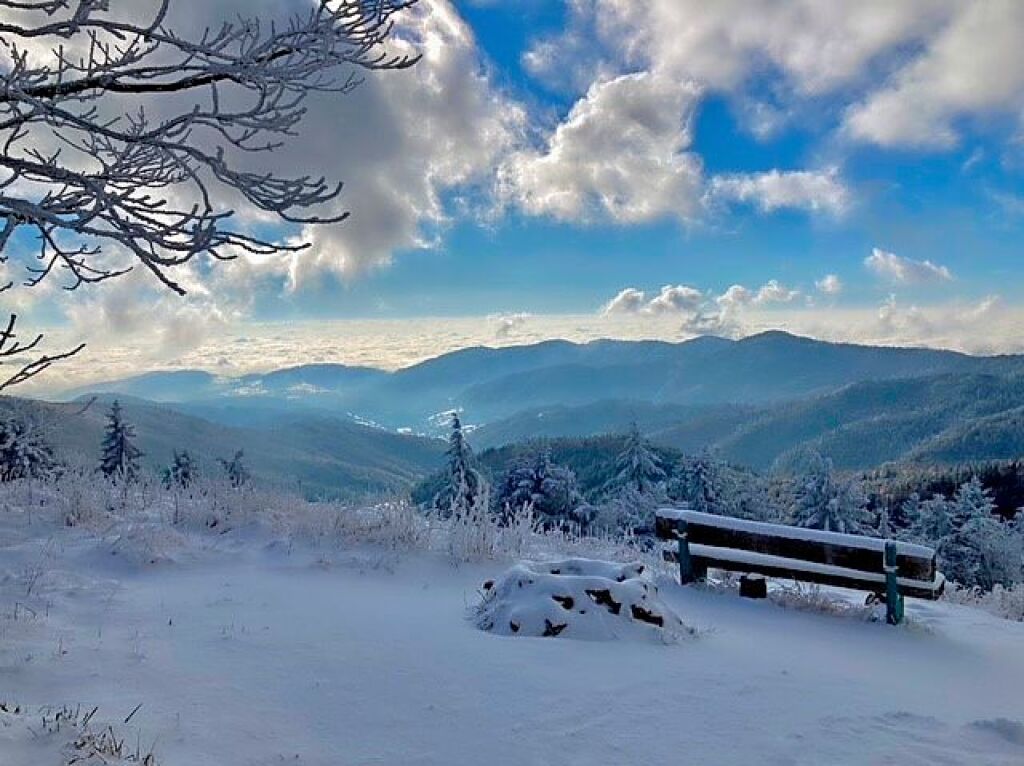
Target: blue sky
[(849, 171), (921, 203)]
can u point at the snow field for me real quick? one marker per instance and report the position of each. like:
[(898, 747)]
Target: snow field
[(257, 648)]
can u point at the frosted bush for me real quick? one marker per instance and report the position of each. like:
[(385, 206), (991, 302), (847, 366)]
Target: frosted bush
[(473, 531), (1005, 602)]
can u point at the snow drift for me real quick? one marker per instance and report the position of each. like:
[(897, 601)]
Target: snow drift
[(578, 598)]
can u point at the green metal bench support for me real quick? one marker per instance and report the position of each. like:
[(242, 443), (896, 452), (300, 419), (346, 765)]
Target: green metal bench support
[(689, 570), (893, 597)]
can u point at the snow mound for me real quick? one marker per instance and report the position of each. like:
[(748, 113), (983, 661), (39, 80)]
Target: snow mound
[(578, 598)]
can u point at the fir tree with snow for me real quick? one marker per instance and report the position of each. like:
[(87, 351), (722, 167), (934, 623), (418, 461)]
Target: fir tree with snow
[(638, 466), (120, 458), (463, 482), (980, 549), (24, 453), (549, 488), (182, 472), (237, 473), (700, 484), (930, 519), (824, 501)]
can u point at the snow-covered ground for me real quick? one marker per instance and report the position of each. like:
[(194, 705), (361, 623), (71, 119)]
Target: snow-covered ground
[(241, 650)]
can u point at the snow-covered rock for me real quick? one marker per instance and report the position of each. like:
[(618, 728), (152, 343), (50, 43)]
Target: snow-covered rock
[(578, 598)]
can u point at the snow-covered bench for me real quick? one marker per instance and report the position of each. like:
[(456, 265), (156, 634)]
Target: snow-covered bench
[(888, 568)]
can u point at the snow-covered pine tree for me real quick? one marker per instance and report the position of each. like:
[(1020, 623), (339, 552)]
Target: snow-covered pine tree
[(120, 458), (182, 472), (549, 488), (638, 466), (700, 484), (980, 549), (637, 488), (24, 453), (930, 519), (824, 501), (236, 470), (463, 483)]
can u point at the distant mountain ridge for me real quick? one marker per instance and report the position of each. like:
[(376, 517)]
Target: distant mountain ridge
[(495, 383)]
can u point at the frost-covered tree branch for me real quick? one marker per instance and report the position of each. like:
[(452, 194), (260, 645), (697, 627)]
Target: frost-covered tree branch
[(123, 142)]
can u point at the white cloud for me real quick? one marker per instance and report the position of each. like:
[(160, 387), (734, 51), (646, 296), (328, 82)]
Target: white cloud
[(674, 299), (816, 191), (973, 67), (830, 284), (899, 270), (628, 301), (701, 312), (907, 71), (816, 46), (774, 292), (621, 153)]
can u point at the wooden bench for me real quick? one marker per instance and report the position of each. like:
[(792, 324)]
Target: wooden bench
[(888, 568)]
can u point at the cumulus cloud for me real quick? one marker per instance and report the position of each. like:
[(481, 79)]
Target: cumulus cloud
[(775, 292), (830, 284), (816, 46), (628, 301), (899, 270), (816, 191), (621, 153), (701, 312), (973, 67), (674, 299), (938, 60)]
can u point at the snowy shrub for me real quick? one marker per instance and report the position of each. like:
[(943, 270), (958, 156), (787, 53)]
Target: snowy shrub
[(577, 598), (630, 510), (473, 531), (810, 597), (395, 525), (518, 531), (1005, 602)]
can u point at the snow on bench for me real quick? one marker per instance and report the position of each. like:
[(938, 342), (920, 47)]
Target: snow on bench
[(577, 598), (886, 567)]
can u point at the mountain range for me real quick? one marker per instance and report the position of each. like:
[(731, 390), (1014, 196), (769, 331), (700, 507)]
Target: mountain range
[(755, 401)]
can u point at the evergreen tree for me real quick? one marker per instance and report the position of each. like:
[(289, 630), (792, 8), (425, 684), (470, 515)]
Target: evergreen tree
[(824, 501), (930, 520), (120, 458), (980, 549), (24, 453), (463, 483), (638, 466), (549, 488), (700, 483), (236, 470), (182, 471)]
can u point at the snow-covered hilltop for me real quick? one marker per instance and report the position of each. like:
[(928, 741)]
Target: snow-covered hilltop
[(313, 634)]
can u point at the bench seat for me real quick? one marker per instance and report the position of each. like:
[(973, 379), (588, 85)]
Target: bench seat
[(752, 562)]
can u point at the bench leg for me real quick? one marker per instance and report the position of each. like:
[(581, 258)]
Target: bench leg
[(686, 573), (893, 597)]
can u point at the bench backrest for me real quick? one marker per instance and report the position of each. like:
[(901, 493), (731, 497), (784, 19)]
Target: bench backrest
[(865, 554)]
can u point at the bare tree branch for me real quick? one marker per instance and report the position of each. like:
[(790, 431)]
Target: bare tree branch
[(101, 185)]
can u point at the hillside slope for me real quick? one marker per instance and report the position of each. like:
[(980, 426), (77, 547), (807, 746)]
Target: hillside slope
[(321, 455)]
